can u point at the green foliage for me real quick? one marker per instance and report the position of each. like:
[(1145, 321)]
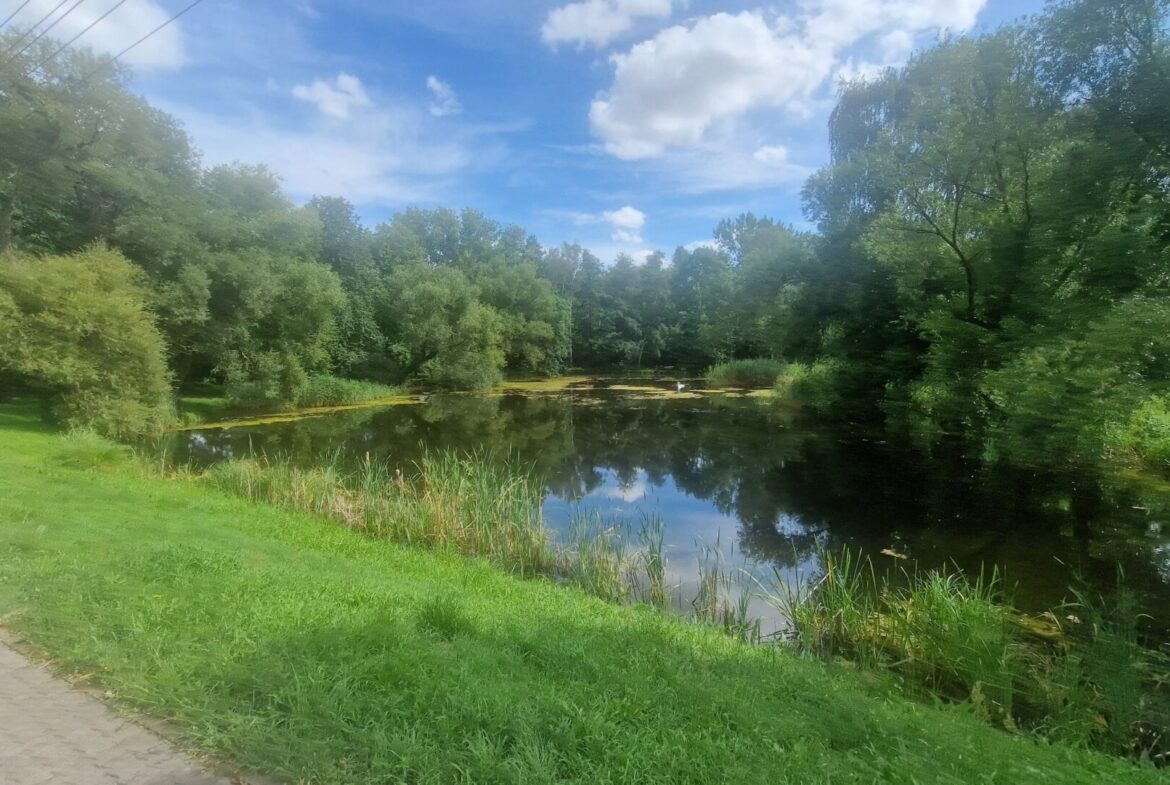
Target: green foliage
[(284, 387), (1084, 679), (816, 384), (298, 648), (1144, 439), (335, 391), (745, 373), (991, 257), (76, 333)]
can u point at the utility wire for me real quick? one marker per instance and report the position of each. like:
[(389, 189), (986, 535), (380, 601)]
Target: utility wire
[(45, 32), (88, 27), (155, 30), (26, 33), (11, 16)]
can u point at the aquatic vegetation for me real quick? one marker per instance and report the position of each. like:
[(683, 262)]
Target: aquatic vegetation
[(724, 596), (1084, 679), (299, 414), (814, 384), (760, 372), (477, 504), (550, 384)]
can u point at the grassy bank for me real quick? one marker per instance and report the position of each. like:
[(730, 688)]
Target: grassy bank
[(297, 647)]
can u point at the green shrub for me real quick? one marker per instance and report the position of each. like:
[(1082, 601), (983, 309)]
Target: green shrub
[(78, 335), (335, 391), (814, 385), (745, 373), (281, 390), (1144, 438)]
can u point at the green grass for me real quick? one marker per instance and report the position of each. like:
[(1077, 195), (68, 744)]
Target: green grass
[(1085, 679), (295, 646), (745, 373)]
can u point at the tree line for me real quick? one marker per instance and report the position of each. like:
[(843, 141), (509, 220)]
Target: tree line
[(990, 256)]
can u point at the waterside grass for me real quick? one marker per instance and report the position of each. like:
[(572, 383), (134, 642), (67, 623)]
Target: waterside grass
[(1083, 679), (760, 372), (290, 645), (478, 504)]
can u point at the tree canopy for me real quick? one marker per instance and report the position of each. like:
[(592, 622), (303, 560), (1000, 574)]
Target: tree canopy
[(990, 256)]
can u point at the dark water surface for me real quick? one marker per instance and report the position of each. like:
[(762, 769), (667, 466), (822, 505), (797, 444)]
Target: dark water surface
[(761, 486)]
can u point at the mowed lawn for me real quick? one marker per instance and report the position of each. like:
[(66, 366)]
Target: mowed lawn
[(291, 646)]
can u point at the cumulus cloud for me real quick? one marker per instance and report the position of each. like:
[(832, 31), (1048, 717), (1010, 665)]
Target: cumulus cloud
[(394, 156), (120, 29), (627, 223), (336, 99), (598, 22), (444, 101), (671, 90), (623, 224)]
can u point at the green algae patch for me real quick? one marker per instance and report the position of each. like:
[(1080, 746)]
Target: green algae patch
[(666, 395), (636, 388), (300, 414), (555, 384)]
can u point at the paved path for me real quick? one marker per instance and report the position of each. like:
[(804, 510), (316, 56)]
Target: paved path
[(51, 734)]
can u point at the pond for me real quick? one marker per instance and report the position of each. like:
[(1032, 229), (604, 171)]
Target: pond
[(739, 479)]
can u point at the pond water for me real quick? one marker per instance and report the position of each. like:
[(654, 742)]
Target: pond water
[(759, 487)]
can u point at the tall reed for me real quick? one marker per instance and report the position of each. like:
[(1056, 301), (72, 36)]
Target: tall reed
[(479, 504), (723, 599), (475, 505)]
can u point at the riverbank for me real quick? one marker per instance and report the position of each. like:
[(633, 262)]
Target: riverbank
[(293, 646)]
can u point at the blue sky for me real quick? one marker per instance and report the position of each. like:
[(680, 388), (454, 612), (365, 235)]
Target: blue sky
[(625, 125)]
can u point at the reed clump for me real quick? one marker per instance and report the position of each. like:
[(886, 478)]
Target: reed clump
[(1086, 680), (760, 372), (478, 505), (470, 505)]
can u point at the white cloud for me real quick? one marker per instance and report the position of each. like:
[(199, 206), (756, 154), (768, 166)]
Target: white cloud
[(444, 101), (597, 22), (392, 157), (771, 154), (672, 90), (627, 223), (337, 99), (120, 29)]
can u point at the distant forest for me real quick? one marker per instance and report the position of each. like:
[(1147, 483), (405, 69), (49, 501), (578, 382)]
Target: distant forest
[(991, 257)]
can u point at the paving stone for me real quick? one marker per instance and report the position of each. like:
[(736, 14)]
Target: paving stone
[(51, 733)]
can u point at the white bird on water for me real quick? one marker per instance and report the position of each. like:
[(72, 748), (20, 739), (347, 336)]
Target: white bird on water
[(680, 386)]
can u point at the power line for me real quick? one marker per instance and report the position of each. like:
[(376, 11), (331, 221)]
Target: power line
[(45, 32), (25, 34), (88, 27), (155, 30), (12, 16)]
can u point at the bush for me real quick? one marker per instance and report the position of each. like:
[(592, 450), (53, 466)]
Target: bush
[(78, 335), (1144, 439), (745, 373), (335, 391), (814, 385), (278, 390)]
